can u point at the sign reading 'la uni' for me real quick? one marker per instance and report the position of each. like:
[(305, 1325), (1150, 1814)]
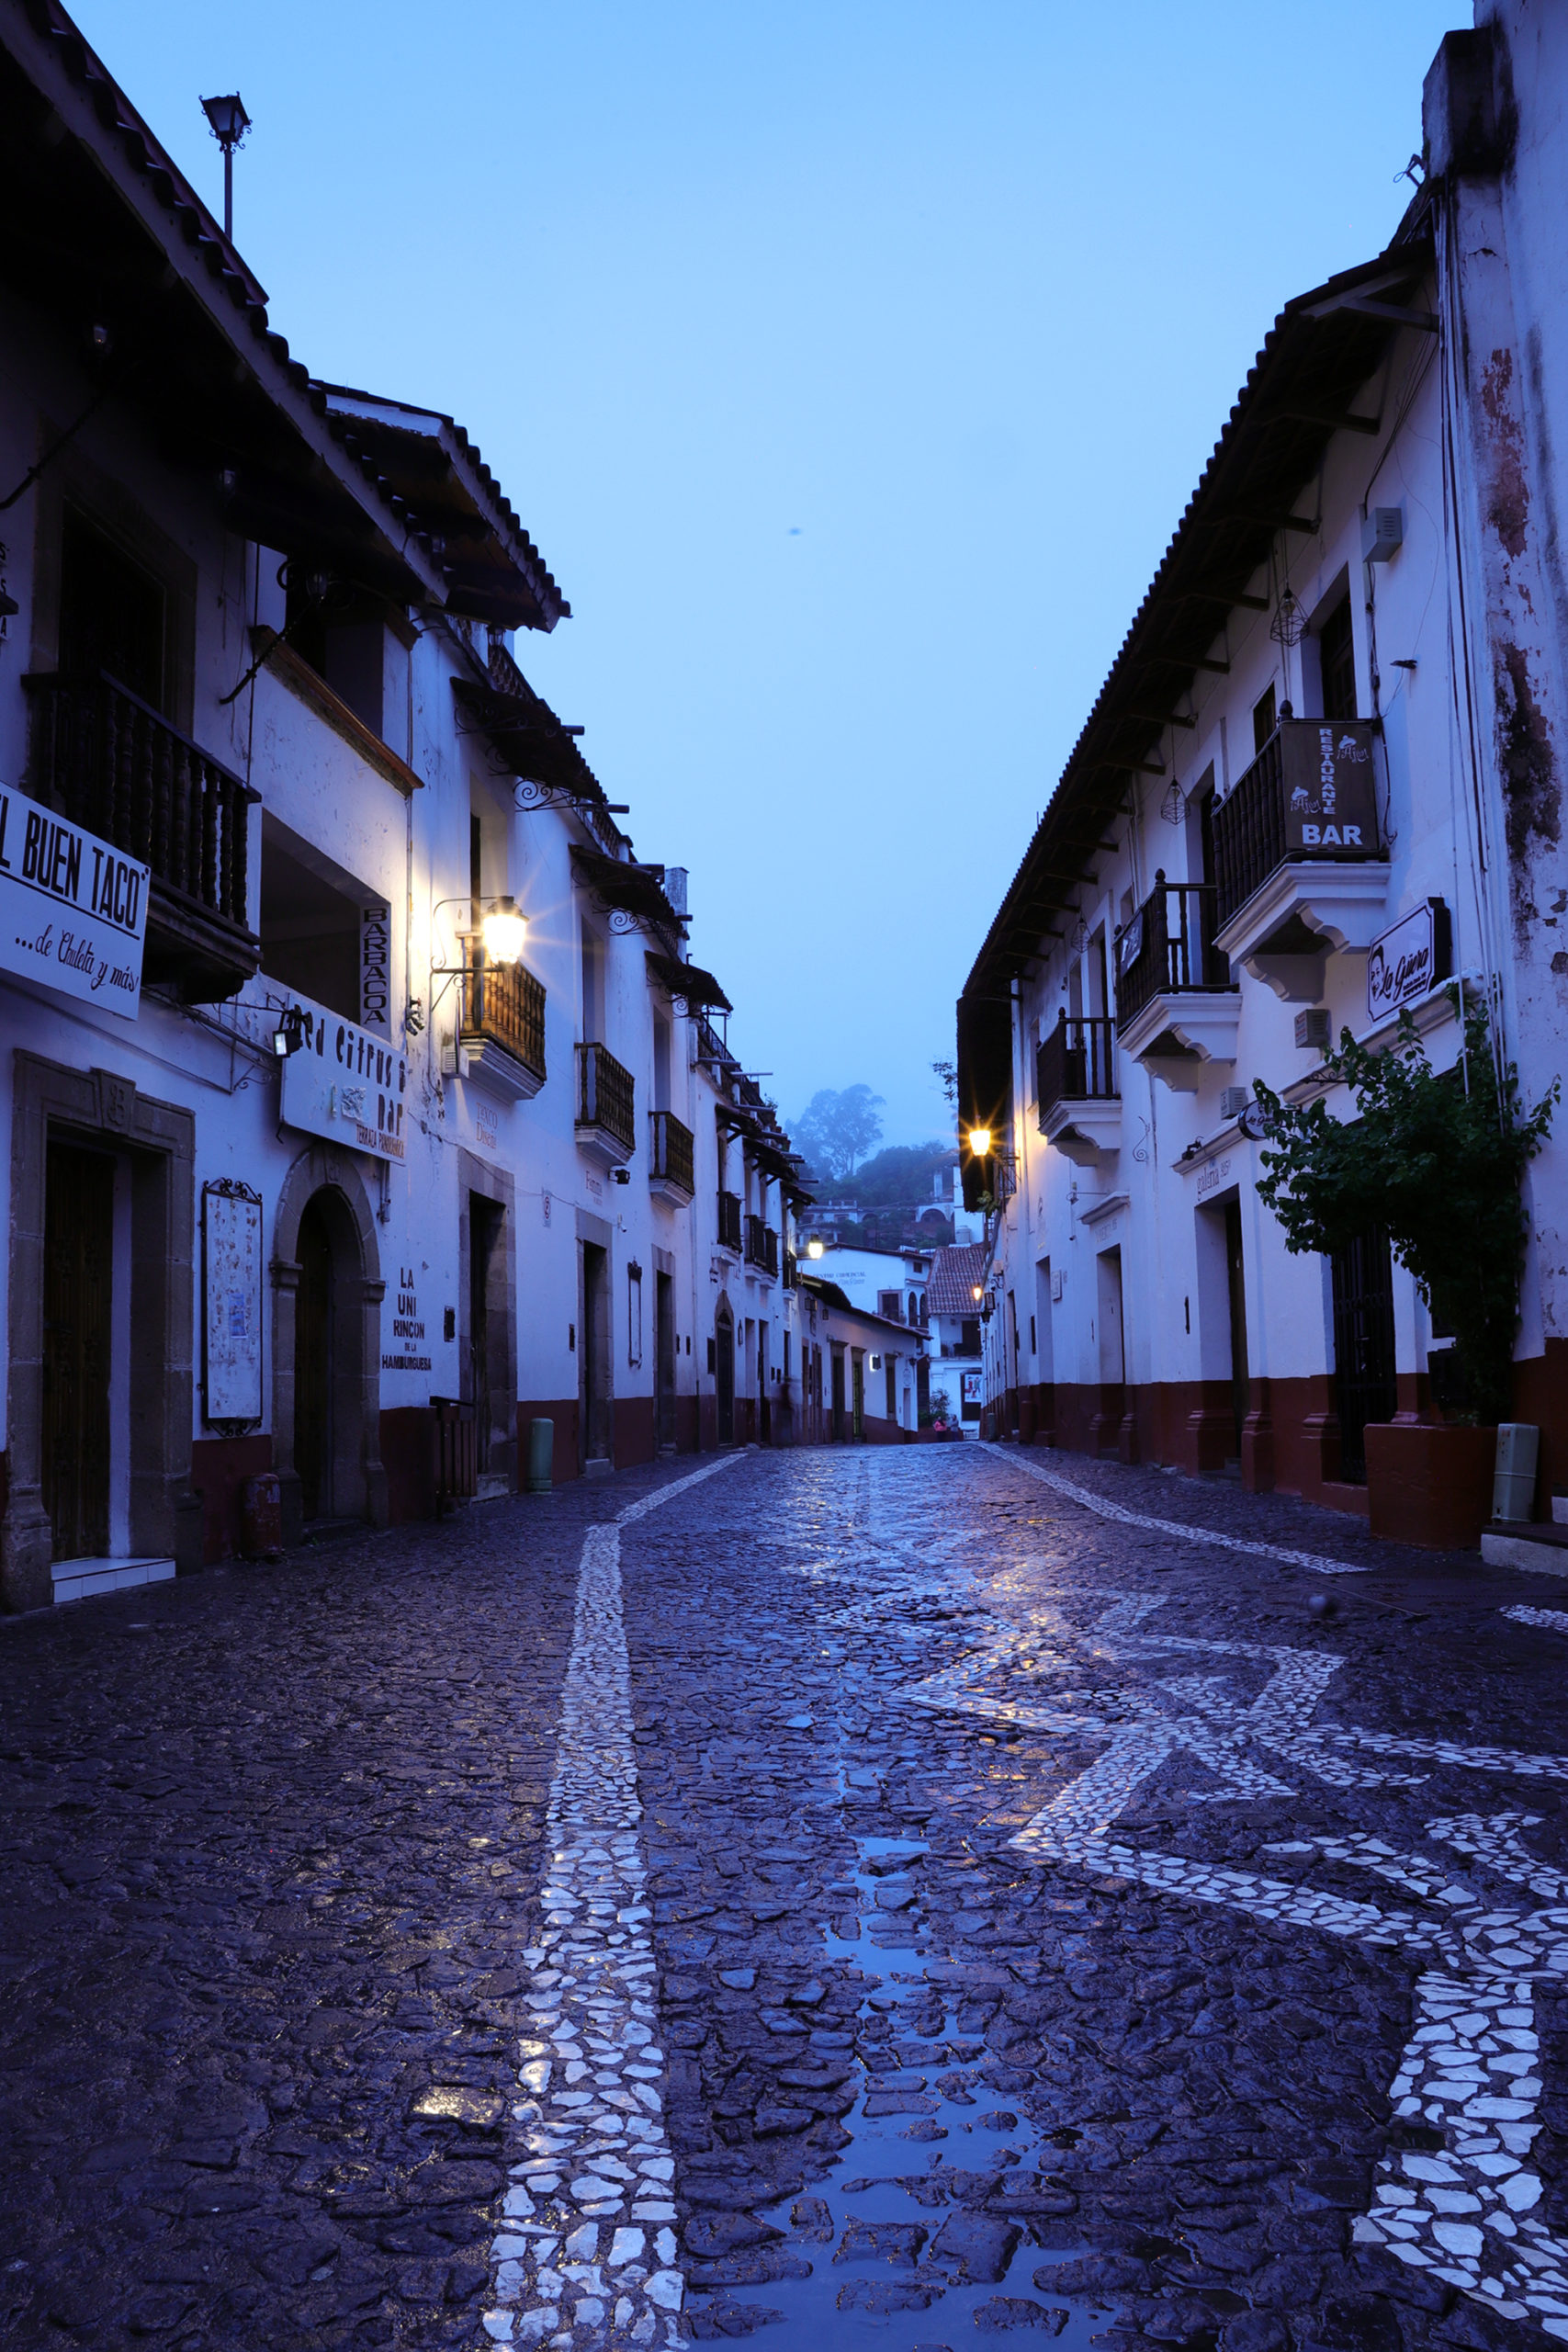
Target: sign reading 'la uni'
[(73, 908)]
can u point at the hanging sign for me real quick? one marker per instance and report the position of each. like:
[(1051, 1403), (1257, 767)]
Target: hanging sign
[(231, 1306), (1330, 789), (1408, 960), (345, 1084), (376, 966), (72, 909)]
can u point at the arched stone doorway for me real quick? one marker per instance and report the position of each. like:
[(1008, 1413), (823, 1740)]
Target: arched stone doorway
[(326, 1354), (724, 1368)]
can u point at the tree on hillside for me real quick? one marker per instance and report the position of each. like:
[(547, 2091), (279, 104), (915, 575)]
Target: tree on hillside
[(900, 1175), (836, 1131)]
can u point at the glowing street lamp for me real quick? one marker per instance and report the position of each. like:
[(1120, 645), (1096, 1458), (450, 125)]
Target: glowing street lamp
[(503, 930), (980, 1141), (814, 1248)]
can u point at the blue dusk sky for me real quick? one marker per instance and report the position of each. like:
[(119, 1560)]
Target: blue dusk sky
[(850, 361)]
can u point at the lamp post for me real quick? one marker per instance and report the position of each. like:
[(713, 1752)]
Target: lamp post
[(228, 122)]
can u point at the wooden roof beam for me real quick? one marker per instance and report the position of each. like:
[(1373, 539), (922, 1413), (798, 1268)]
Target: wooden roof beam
[(1341, 421), (1226, 597), (1156, 718)]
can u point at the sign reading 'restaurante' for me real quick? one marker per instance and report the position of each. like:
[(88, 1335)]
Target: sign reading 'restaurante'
[(72, 909)]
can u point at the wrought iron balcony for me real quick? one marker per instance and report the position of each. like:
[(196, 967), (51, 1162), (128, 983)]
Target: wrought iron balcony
[(671, 1158), (762, 1246), (606, 1110), (1310, 794), (1168, 946), (1075, 1070), (106, 758), (730, 1221), (1177, 1006), (503, 1027), (1300, 861), (1077, 1063)]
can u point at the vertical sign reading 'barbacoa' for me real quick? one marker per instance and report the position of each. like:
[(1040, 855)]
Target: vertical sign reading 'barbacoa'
[(73, 908)]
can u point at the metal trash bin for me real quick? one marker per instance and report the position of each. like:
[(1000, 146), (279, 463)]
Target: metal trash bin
[(541, 1454), (1513, 1487)]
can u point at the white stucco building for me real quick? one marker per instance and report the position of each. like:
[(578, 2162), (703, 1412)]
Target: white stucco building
[(417, 1130), (1323, 778)]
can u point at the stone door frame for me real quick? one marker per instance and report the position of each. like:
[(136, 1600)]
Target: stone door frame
[(357, 1313), (100, 1107)]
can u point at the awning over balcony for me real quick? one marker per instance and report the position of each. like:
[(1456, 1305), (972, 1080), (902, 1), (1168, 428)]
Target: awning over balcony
[(616, 883), (699, 987)]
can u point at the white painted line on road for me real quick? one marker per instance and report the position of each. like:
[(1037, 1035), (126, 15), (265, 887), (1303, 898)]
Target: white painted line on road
[(1103, 1509), (585, 2239)]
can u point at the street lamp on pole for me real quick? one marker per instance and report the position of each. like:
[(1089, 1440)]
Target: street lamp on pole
[(228, 122)]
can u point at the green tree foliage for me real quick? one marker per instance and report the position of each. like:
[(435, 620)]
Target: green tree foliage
[(836, 1131), (900, 1176), (1436, 1159)]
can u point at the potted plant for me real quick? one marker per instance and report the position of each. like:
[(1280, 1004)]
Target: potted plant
[(1436, 1159)]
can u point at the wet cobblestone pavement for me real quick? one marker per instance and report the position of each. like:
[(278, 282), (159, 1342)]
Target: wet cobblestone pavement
[(884, 1899)]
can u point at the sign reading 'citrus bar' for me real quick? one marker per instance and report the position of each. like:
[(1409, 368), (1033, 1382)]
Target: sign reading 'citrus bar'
[(72, 909), (345, 1083)]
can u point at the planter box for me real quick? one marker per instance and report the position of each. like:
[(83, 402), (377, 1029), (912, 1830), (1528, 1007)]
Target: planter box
[(1430, 1483)]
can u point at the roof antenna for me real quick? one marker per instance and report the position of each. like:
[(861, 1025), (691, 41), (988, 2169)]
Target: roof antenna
[(228, 122)]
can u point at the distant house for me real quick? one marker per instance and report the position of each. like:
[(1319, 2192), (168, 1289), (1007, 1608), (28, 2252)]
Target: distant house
[(952, 1304)]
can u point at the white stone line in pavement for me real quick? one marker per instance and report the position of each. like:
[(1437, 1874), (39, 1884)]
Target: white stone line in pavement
[(585, 2249), (1550, 1620), (1104, 1508), (1463, 2211)]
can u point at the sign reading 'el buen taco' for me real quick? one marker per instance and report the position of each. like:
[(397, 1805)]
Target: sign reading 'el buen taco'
[(73, 908)]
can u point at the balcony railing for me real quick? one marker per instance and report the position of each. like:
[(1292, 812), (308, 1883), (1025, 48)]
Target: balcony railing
[(1076, 1062), (505, 1002), (762, 1246), (1310, 794), (671, 1158), (1168, 946), (109, 762), (606, 1095), (730, 1221)]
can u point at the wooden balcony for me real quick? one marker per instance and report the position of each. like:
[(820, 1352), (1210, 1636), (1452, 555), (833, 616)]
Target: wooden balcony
[(762, 1246), (606, 1106), (1300, 862), (106, 758), (502, 1033), (1079, 1107), (672, 1159), (730, 1222), (1177, 1006)]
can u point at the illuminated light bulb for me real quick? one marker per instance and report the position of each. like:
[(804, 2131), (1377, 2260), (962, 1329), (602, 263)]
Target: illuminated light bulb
[(503, 930)]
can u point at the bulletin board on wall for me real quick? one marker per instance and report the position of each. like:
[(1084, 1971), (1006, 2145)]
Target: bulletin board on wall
[(231, 1305)]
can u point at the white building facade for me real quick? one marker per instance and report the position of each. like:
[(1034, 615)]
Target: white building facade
[(1322, 781), (416, 1130)]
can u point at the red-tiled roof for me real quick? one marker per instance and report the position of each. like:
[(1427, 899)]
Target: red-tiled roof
[(955, 1271)]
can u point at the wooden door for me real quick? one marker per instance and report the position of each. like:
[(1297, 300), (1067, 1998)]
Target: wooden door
[(1235, 1285), (664, 1359), (313, 1364), (724, 1373), (78, 1290), (1364, 1386)]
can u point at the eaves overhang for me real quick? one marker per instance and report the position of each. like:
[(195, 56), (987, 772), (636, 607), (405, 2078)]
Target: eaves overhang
[(107, 239), (1305, 387)]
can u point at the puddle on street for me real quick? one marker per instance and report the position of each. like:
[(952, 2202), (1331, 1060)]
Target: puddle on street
[(884, 2207)]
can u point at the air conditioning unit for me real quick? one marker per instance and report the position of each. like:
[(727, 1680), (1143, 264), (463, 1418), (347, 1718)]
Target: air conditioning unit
[(1313, 1029), (1232, 1101), (1382, 534)]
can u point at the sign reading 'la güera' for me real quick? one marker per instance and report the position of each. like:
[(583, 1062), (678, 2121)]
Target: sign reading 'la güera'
[(1408, 960), (73, 908)]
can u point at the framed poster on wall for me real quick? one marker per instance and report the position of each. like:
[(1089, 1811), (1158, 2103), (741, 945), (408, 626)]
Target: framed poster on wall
[(230, 1307)]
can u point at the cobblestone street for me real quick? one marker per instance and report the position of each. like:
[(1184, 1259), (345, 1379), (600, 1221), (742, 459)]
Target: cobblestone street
[(888, 1897)]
